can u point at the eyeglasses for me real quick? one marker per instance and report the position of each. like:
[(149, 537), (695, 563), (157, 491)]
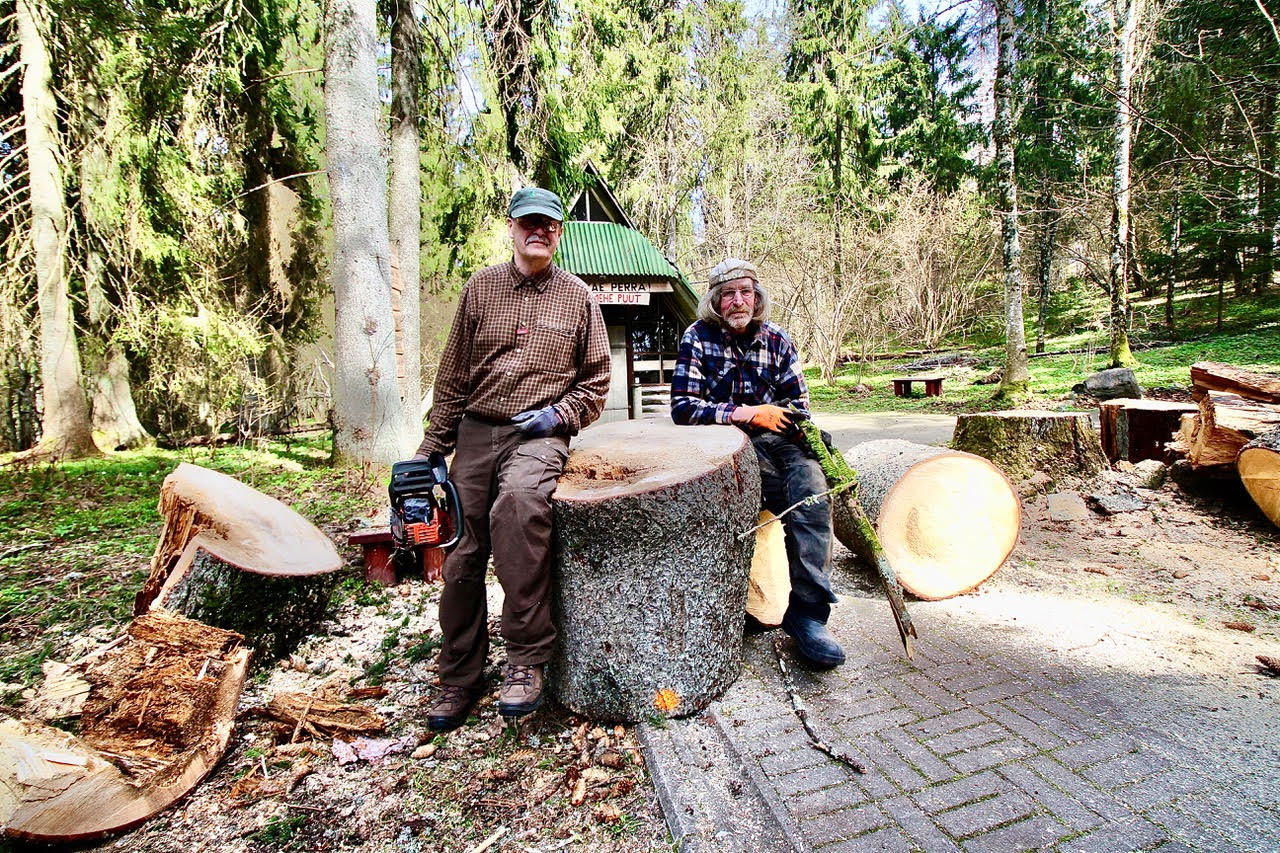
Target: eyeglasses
[(746, 294), (534, 223)]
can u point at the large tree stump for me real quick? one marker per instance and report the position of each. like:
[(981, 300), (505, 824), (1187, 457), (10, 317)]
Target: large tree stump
[(235, 558), (1023, 442), (1139, 429), (651, 568), (946, 519), (158, 715), (1259, 467)]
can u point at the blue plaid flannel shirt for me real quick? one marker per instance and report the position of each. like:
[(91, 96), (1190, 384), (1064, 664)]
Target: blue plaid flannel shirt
[(716, 372)]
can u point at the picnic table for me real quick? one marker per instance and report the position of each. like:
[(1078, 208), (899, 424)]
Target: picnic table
[(932, 385)]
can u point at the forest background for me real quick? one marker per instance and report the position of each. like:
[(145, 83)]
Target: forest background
[(216, 215)]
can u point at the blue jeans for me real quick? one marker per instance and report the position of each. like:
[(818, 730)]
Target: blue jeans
[(789, 474)]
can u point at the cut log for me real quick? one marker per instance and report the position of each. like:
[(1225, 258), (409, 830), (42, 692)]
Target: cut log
[(946, 519), (1063, 445), (1213, 376), (235, 558), (1139, 429), (1259, 467), (157, 719), (651, 568), (769, 589), (1225, 424)]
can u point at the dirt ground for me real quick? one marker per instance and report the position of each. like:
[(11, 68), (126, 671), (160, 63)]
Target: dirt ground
[(1199, 571)]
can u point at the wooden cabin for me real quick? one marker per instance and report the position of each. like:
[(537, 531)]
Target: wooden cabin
[(646, 301)]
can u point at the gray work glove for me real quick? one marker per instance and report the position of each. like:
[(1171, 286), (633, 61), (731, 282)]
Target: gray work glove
[(538, 423)]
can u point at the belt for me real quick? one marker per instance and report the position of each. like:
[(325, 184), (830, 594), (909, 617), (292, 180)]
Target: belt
[(487, 420)]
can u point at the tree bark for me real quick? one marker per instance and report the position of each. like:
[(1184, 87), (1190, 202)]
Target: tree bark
[(1016, 379), (1063, 445), (115, 418), (1175, 247), (368, 417), (405, 209), (235, 558), (66, 430), (1124, 32), (651, 568), (947, 520), (1259, 467)]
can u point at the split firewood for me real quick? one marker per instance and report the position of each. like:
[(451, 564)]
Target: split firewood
[(1224, 424), (320, 717), (150, 730)]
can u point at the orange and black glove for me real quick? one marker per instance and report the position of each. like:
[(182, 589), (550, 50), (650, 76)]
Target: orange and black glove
[(771, 417)]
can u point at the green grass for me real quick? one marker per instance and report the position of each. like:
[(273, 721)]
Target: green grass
[(76, 539), (1251, 327)]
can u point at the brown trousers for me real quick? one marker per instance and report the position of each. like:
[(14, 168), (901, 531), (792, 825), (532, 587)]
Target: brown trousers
[(504, 484)]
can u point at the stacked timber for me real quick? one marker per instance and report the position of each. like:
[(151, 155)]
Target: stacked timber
[(1236, 427)]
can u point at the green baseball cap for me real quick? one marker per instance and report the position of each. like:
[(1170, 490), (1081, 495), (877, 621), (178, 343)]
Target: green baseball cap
[(531, 201)]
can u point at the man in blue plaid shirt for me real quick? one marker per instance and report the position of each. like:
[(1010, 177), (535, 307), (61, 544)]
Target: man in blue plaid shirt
[(736, 367)]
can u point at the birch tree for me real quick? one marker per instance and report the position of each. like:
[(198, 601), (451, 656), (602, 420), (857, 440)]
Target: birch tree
[(66, 431), (1124, 30), (368, 418), (1016, 380)]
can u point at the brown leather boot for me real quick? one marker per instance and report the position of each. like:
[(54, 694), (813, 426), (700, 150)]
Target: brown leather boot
[(521, 690), (450, 708)]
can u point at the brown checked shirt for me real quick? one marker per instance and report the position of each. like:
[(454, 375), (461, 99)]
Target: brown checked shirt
[(518, 344)]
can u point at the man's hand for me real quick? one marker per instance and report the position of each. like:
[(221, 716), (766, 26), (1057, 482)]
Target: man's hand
[(538, 423), (766, 416)]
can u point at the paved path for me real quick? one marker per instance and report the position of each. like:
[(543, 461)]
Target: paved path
[(1022, 724), (850, 429)]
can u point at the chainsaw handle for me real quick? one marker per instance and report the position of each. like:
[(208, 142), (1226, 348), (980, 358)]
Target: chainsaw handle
[(455, 512)]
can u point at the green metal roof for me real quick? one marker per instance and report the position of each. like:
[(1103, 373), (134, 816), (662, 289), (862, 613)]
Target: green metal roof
[(616, 251)]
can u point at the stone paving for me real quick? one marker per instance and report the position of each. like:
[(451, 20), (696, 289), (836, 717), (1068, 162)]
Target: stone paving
[(1015, 728)]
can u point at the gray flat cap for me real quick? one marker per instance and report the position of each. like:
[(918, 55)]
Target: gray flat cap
[(729, 269)]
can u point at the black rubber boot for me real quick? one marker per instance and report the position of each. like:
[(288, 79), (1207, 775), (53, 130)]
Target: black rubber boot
[(815, 643)]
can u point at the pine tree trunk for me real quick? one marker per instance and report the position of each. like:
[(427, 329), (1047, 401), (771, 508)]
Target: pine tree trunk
[(66, 430), (1266, 189), (368, 414), (405, 209), (1175, 246), (1016, 378), (1124, 31)]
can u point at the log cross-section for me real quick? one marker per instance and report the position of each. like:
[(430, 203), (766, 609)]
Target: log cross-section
[(651, 567)]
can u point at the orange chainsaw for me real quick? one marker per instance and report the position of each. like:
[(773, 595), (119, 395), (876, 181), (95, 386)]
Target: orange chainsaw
[(425, 511)]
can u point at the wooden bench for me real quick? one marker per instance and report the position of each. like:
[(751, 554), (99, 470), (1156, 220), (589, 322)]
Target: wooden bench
[(932, 385), (378, 567)]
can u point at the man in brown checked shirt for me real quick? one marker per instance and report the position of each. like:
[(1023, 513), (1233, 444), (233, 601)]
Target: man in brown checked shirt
[(525, 367)]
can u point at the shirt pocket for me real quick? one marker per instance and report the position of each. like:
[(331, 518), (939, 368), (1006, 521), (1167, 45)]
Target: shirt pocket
[(555, 346)]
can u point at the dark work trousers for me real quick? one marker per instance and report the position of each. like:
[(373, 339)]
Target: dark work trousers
[(788, 474), (504, 484)]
